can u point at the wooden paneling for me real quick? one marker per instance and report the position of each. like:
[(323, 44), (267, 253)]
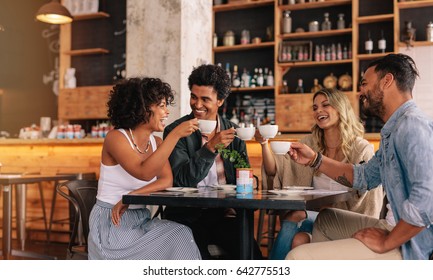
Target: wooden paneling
[(48, 157), (84, 103)]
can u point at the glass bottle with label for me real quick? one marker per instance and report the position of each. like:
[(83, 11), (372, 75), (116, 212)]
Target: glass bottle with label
[(287, 22), (236, 80), (369, 44), (381, 44), (340, 23), (326, 24), (270, 79), (300, 87)]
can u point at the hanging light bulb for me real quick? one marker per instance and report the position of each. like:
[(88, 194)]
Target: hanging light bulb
[(54, 13)]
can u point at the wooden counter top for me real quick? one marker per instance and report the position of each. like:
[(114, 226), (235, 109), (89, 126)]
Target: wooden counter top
[(46, 141)]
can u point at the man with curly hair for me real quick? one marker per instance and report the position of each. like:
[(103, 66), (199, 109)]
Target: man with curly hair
[(195, 162)]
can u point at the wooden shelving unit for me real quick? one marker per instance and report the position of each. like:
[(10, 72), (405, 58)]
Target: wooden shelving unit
[(243, 47), (91, 16), (86, 52), (265, 88), (415, 4), (88, 100), (243, 5), (366, 15), (315, 5), (328, 33), (371, 56), (375, 18)]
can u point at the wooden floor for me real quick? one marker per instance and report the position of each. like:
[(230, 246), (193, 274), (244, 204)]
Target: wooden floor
[(55, 250), (58, 250)]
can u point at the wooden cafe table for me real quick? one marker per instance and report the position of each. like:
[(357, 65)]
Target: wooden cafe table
[(245, 205), (7, 183)]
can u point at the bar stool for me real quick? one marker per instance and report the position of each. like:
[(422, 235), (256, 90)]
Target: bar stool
[(21, 207), (67, 220)]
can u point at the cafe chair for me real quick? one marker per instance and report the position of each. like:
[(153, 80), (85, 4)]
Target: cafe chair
[(82, 196), (66, 220)]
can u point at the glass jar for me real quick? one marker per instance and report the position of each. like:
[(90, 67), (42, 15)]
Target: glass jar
[(429, 32), (313, 26), (340, 23), (245, 37), (287, 22), (326, 24), (229, 38)]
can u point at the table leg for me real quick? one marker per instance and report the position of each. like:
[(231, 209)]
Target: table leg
[(21, 197), (7, 221), (246, 229)]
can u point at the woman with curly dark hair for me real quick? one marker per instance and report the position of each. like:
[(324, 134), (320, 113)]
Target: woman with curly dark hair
[(134, 161)]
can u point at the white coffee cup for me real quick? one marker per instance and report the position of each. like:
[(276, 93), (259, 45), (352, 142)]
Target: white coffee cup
[(280, 147), (206, 126), (268, 131), (245, 133)]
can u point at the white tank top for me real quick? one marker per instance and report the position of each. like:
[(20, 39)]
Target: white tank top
[(114, 181)]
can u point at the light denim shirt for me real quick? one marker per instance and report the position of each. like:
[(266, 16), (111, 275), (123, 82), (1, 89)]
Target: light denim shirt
[(404, 165)]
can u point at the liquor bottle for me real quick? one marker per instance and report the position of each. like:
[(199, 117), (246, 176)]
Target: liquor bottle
[(270, 79), (287, 22), (234, 119), (340, 23), (328, 53), (245, 78), (265, 75), (317, 53), (306, 54), (260, 79), (236, 80), (289, 53), (349, 51), (301, 53), (345, 55), (322, 53), (369, 44), (316, 87), (333, 52), (300, 87), (326, 24), (339, 52), (228, 71), (382, 43)]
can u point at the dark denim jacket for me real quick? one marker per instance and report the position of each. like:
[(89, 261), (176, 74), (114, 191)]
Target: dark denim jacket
[(191, 162)]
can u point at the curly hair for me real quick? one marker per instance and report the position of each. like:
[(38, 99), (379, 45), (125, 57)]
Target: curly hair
[(211, 75), (130, 100), (349, 124)]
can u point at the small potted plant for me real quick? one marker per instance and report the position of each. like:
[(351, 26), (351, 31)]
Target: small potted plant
[(244, 172)]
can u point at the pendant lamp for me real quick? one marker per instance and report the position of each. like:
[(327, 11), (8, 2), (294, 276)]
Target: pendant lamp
[(54, 13)]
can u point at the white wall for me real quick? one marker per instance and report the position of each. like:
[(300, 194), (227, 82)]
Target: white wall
[(165, 39), (423, 90)]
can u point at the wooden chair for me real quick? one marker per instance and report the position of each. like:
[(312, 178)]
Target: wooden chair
[(82, 196)]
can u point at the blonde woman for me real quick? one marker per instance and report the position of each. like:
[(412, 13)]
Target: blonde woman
[(338, 134)]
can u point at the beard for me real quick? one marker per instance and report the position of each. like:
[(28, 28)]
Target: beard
[(372, 103)]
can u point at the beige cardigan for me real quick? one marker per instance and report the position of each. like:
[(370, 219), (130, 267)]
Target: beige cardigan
[(290, 173)]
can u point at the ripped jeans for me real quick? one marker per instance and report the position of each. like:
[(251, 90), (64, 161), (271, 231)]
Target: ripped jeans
[(288, 230)]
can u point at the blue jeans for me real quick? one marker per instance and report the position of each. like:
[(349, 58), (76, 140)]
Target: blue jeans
[(288, 230)]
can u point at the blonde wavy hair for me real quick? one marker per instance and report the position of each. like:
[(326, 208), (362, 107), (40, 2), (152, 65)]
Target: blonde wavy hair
[(349, 124)]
